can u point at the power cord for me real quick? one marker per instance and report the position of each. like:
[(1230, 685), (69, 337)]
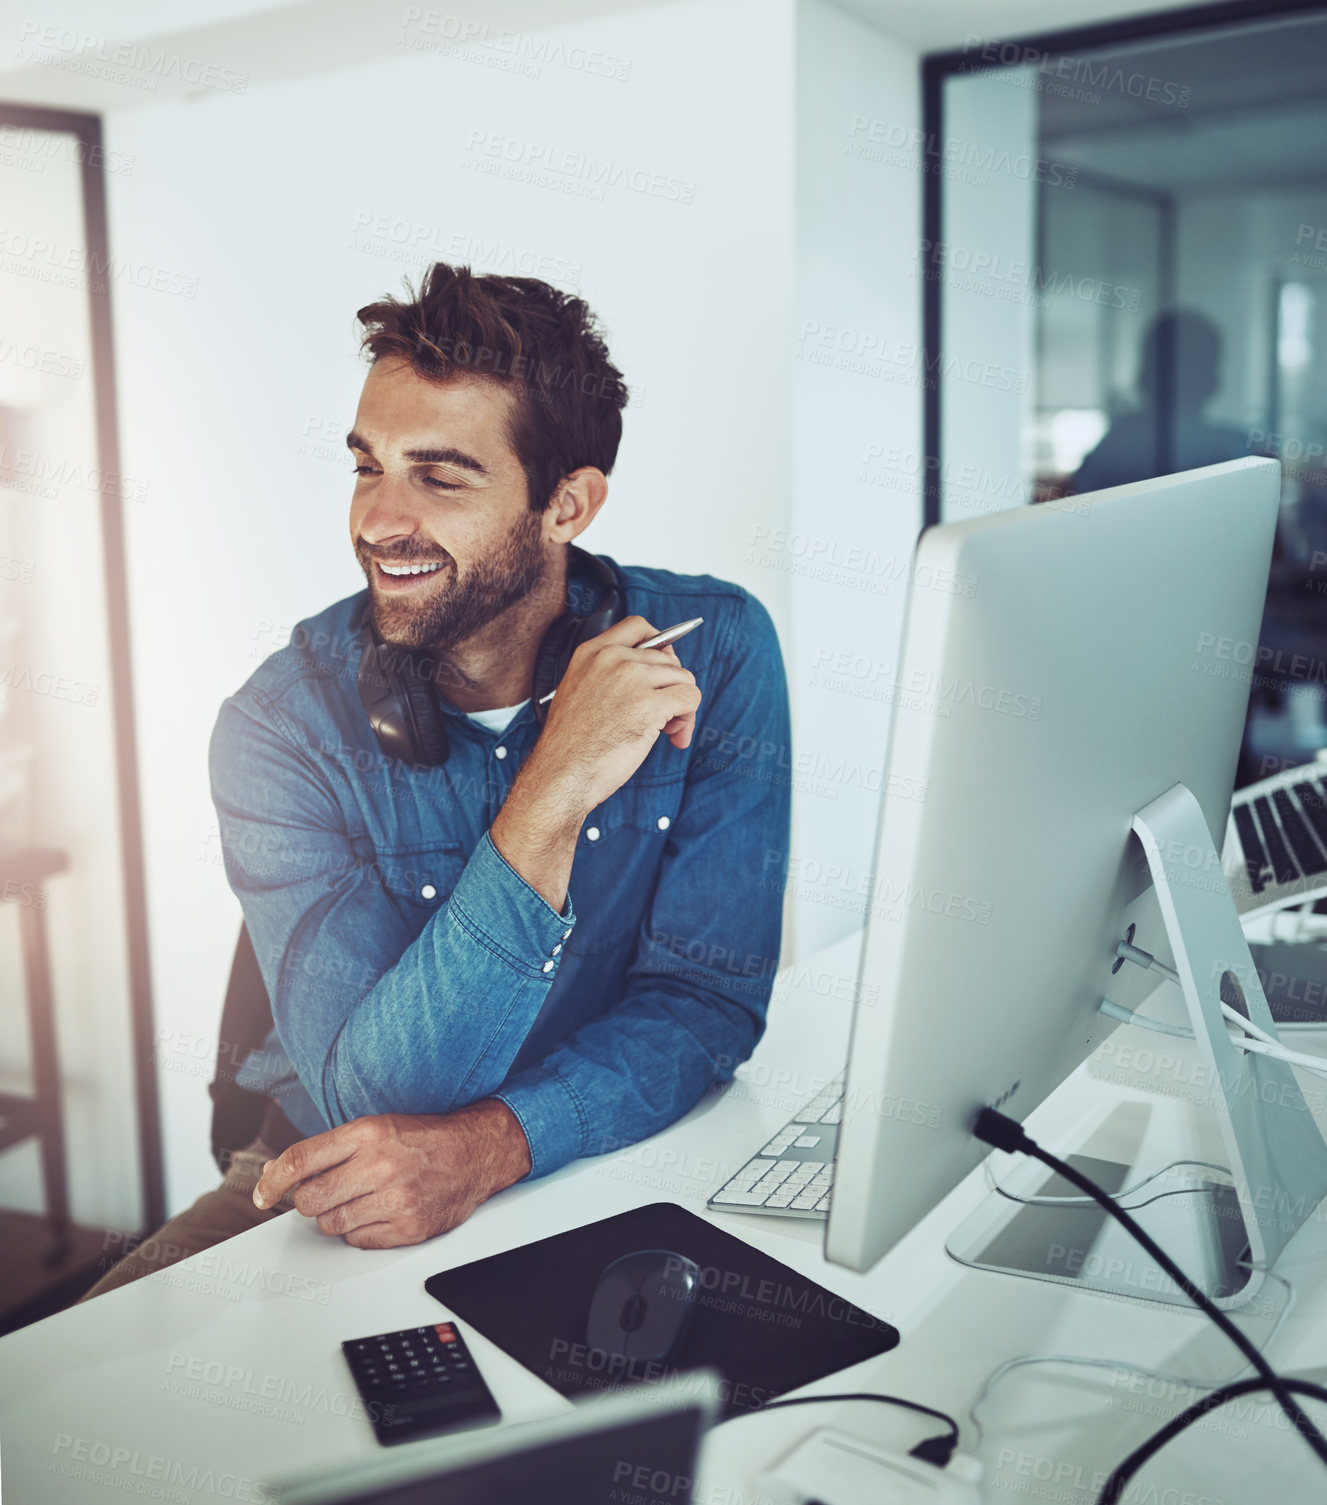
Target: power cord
[(1004, 1133), (937, 1450)]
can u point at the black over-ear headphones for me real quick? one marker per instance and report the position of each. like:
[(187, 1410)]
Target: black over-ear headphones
[(397, 689)]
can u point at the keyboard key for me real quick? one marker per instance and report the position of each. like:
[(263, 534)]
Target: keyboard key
[(1255, 857), (1283, 865), (808, 1141), (740, 1198), (1313, 806), (780, 1198), (805, 1200), (1307, 851)]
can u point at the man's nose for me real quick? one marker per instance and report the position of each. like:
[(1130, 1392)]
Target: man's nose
[(389, 515)]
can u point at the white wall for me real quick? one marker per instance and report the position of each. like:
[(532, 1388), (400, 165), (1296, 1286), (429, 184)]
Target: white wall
[(856, 502), (279, 212), (235, 400), (986, 378)]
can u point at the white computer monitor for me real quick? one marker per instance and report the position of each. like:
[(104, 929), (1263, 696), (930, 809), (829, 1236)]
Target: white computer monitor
[(1098, 656)]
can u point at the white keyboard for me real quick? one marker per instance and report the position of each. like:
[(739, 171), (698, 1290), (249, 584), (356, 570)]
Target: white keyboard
[(793, 1174)]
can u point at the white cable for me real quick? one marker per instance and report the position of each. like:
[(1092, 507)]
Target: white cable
[(1250, 1028), (1182, 1382), (1267, 1044), (1316, 1064), (1128, 1016), (1255, 1040), (1119, 1196)]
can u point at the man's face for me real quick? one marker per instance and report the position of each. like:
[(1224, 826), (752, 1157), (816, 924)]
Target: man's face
[(439, 489)]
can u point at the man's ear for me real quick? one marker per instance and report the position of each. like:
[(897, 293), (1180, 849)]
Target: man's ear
[(574, 505)]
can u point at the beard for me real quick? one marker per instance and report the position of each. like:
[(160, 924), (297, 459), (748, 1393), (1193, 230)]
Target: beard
[(450, 609)]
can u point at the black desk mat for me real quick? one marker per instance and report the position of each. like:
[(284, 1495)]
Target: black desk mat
[(763, 1327)]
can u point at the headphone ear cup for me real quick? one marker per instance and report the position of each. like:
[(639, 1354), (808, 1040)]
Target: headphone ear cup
[(401, 707), (555, 650), (432, 742)]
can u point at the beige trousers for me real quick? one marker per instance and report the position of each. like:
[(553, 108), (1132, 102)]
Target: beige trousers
[(216, 1215)]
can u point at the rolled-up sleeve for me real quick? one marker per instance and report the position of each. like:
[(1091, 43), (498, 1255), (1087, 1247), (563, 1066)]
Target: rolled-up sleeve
[(375, 1016)]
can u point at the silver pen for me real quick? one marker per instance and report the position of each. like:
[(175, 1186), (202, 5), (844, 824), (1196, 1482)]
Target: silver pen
[(659, 640)]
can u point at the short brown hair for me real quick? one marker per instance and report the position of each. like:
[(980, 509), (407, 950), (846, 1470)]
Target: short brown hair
[(523, 334)]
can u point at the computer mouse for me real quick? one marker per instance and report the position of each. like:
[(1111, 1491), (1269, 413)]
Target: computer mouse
[(643, 1304)]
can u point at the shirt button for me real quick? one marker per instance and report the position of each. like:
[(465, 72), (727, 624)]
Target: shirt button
[(548, 966), (428, 891), (499, 752), (565, 934), (592, 833), (662, 823), (557, 948)]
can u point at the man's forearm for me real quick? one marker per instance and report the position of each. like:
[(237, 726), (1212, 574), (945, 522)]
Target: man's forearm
[(536, 831), (500, 1144)]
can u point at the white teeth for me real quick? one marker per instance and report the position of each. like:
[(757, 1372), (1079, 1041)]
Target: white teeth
[(408, 569)]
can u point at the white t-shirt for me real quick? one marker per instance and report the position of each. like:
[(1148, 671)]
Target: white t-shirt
[(496, 720)]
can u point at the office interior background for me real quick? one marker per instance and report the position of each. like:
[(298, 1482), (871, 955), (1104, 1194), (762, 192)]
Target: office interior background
[(865, 266)]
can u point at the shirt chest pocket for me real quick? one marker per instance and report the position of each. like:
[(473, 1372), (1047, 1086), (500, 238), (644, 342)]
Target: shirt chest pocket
[(419, 879), (620, 848), (631, 810)]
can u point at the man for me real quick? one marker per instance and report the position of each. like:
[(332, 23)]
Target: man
[(1179, 373), (553, 940)]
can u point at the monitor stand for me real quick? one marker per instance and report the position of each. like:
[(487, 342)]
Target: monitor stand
[(1226, 1238)]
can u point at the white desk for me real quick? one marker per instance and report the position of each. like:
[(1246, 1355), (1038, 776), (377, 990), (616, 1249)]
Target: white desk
[(228, 1366)]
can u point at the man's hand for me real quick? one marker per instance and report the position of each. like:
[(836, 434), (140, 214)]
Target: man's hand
[(613, 703), (399, 1178)]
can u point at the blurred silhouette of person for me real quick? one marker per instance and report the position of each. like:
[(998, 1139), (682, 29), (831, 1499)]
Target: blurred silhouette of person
[(1179, 371)]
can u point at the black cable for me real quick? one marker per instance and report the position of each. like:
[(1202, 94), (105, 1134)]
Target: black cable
[(1125, 1471), (937, 1450), (1006, 1134)]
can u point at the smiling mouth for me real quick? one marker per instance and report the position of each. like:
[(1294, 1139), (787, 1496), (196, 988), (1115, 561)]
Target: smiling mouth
[(396, 576)]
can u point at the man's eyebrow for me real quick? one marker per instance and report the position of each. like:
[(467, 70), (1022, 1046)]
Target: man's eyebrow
[(444, 456)]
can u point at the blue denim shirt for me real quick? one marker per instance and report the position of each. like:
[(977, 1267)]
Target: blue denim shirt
[(411, 969)]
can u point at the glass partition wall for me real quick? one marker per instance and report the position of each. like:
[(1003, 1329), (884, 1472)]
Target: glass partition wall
[(80, 1153), (1126, 275)]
